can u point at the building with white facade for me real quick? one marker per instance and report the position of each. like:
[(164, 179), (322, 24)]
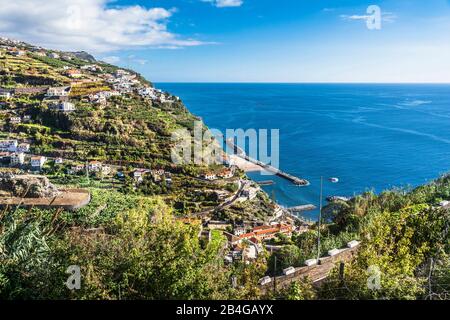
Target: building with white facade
[(38, 162), (17, 159)]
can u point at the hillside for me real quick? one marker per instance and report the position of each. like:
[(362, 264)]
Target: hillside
[(66, 105)]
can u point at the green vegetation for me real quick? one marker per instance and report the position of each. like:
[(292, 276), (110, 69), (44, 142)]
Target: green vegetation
[(144, 254), (405, 241)]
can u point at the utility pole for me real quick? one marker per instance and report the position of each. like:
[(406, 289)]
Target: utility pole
[(430, 284), (275, 275), (341, 273), (320, 220), (87, 171)]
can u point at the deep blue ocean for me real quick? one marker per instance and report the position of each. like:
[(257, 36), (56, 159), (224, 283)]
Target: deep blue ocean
[(370, 136)]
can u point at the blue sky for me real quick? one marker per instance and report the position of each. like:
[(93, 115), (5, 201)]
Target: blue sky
[(247, 40)]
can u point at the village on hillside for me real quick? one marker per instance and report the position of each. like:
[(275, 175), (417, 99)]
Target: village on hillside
[(63, 84)]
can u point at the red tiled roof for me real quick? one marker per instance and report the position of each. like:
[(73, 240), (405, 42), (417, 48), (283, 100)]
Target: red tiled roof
[(264, 230)]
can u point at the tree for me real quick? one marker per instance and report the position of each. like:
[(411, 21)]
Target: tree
[(149, 255), (299, 290), (287, 256)]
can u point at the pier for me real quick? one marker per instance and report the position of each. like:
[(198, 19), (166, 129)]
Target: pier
[(295, 180), (241, 153)]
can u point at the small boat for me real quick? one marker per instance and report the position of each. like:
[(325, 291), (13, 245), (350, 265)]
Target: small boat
[(334, 180)]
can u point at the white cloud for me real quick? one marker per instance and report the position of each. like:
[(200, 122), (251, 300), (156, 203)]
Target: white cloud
[(355, 17), (226, 3), (385, 16), (90, 25)]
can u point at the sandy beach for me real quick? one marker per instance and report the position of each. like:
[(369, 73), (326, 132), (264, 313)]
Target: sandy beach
[(243, 164)]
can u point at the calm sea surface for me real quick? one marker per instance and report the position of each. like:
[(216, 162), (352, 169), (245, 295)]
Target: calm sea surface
[(369, 136)]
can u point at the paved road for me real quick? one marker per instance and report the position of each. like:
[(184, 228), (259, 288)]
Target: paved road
[(224, 205)]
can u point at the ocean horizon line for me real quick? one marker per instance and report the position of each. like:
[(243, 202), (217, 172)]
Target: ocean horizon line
[(295, 83)]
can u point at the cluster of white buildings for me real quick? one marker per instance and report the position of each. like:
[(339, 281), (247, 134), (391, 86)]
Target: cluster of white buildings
[(15, 152), (63, 106), (19, 119), (101, 97), (13, 146), (138, 175), (122, 81), (155, 94), (225, 173), (125, 82), (58, 91), (91, 67), (92, 166)]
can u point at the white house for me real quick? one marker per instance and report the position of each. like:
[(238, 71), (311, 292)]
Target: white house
[(77, 168), (53, 55), (38, 162), (250, 252), (15, 120), (58, 92), (74, 73), (121, 73), (148, 92), (137, 176), (444, 203), (209, 176), (226, 173), (164, 98), (278, 211), (23, 147), (91, 67), (18, 53), (239, 230), (40, 53), (64, 106), (94, 166), (8, 145), (5, 93), (17, 158), (59, 161)]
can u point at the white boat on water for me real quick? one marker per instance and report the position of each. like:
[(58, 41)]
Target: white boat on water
[(334, 180)]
